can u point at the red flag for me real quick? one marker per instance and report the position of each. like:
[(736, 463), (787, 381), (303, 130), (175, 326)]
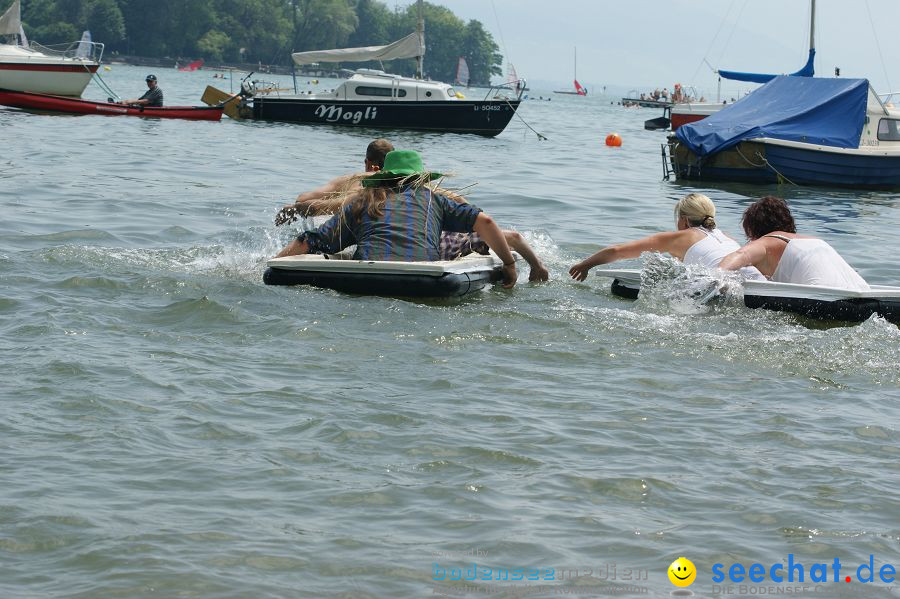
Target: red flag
[(579, 90), (193, 66)]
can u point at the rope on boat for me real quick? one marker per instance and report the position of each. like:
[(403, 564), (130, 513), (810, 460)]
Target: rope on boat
[(516, 112), (877, 45), (105, 87), (765, 163)]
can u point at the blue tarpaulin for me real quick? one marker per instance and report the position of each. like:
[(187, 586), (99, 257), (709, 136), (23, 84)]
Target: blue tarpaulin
[(807, 71), (828, 112)]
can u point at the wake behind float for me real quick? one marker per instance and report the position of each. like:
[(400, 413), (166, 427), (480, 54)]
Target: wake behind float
[(814, 301), (446, 278)]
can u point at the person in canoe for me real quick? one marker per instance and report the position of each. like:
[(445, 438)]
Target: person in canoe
[(397, 217), (331, 197), (696, 240), (153, 97), (783, 256)]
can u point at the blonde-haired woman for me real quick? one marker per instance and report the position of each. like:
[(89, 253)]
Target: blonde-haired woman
[(696, 241)]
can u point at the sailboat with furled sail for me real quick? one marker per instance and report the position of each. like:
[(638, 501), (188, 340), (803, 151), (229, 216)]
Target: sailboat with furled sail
[(687, 112), (373, 98)]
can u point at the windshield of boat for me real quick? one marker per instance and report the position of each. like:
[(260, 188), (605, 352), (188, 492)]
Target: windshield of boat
[(888, 130)]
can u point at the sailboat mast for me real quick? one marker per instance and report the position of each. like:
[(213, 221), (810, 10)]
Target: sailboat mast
[(812, 25), (575, 73), (420, 30)]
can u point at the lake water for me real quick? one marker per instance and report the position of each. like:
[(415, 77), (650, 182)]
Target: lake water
[(173, 427)]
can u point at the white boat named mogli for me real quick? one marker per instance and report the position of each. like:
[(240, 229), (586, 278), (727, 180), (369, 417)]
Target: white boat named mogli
[(376, 99)]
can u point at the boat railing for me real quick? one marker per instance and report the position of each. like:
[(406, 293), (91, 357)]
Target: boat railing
[(90, 51), (501, 90)]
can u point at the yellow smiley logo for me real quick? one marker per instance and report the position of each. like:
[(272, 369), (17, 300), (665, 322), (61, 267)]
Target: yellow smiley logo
[(682, 572)]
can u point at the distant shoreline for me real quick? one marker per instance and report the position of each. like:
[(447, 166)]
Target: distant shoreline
[(172, 63)]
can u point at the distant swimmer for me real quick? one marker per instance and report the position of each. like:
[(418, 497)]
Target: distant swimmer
[(783, 256), (696, 241), (153, 97)]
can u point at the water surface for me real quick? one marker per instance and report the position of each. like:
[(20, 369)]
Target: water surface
[(173, 427)]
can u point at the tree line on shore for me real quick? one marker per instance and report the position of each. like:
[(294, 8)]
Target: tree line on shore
[(264, 31)]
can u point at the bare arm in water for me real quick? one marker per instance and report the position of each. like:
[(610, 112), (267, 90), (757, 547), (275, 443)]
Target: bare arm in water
[(327, 199), (675, 243), (514, 240), (488, 230)]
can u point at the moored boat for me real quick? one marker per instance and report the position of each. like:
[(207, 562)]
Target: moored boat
[(64, 70), (814, 301), (451, 278), (379, 100), (801, 130), (375, 99), (685, 113), (691, 112), (67, 105)]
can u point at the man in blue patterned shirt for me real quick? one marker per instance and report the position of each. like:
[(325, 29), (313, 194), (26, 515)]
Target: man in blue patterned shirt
[(398, 218), (332, 197)]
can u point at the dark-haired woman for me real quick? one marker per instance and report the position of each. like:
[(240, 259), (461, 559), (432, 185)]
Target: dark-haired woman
[(783, 256)]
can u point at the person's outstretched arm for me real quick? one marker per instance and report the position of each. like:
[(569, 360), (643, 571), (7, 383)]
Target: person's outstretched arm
[(752, 254), (661, 242), (517, 243), (294, 248), (327, 199), (329, 238), (488, 230)]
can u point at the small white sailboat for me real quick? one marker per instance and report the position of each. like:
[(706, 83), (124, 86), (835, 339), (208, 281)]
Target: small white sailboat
[(579, 89), (31, 67), (462, 72), (84, 46)]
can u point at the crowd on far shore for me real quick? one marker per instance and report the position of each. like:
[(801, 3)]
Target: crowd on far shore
[(679, 95)]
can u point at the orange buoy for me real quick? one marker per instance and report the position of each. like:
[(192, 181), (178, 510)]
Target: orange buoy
[(614, 140)]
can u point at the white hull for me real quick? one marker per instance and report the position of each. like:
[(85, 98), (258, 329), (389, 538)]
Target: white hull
[(43, 82), (30, 71)]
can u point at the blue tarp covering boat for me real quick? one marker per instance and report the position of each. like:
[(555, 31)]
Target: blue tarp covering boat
[(828, 112)]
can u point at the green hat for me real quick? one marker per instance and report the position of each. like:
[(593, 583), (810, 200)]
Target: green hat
[(400, 164)]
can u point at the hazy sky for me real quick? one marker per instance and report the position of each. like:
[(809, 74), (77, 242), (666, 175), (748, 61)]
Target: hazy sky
[(648, 43)]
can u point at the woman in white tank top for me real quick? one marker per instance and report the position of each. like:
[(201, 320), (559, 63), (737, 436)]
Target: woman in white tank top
[(783, 256), (696, 241)]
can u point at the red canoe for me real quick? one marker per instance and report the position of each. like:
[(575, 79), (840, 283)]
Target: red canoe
[(46, 102)]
